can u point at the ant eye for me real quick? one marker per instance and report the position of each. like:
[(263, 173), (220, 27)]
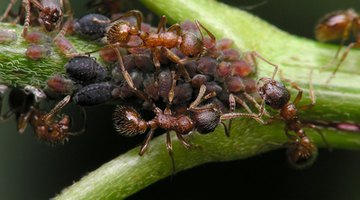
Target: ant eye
[(50, 129)]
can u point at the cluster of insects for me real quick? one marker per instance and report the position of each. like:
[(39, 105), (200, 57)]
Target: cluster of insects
[(186, 78)]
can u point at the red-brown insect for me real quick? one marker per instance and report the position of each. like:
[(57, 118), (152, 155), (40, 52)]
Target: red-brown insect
[(277, 96), (203, 119), (46, 127), (338, 26)]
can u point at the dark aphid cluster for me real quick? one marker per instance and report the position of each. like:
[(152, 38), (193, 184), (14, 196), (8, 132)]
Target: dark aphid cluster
[(339, 25), (189, 80)]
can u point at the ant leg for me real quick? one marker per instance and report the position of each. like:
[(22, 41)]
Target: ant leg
[(343, 57), (235, 99), (23, 121), (276, 67), (228, 116), (26, 4), (255, 103), (125, 73), (318, 130), (8, 9), (57, 108), (213, 39), (183, 141), (146, 142), (227, 128), (137, 14), (162, 24), (295, 86), (173, 57), (170, 151)]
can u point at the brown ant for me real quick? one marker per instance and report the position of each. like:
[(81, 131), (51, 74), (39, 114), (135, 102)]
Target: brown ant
[(203, 119), (46, 128), (339, 25), (51, 12), (277, 96), (120, 32)]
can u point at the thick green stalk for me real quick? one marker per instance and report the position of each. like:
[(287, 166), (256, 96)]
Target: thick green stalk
[(338, 101)]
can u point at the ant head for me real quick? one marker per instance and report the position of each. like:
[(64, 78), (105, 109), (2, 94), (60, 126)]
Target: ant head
[(51, 18), (273, 92), (301, 153), (128, 122), (206, 119), (53, 132), (332, 26)]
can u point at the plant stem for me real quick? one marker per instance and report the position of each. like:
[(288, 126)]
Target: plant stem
[(129, 172)]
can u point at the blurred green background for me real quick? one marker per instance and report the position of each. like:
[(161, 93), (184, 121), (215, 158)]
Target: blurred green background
[(32, 170)]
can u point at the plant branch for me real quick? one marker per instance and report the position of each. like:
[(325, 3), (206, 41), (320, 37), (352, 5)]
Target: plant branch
[(129, 172)]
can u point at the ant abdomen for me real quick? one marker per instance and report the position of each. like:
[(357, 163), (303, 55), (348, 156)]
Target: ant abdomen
[(274, 93), (206, 119), (128, 122), (301, 153)]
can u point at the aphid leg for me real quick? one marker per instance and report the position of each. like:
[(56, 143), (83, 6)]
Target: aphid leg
[(226, 128), (48, 117), (213, 39), (343, 57), (169, 148), (146, 142), (8, 9), (276, 67)]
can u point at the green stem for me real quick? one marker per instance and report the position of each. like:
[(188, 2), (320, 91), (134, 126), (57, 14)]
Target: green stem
[(338, 101)]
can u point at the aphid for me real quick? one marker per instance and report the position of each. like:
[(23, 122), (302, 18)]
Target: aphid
[(204, 119), (85, 70), (7, 36), (37, 37), (94, 94), (338, 26), (36, 52), (92, 26), (50, 12), (275, 94), (59, 85)]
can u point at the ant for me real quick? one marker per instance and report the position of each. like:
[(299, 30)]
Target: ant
[(204, 119), (339, 25), (22, 105), (120, 32), (277, 96), (50, 13)]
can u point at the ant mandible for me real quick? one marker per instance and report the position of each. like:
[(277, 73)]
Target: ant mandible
[(203, 119), (339, 25), (277, 96), (50, 12)]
